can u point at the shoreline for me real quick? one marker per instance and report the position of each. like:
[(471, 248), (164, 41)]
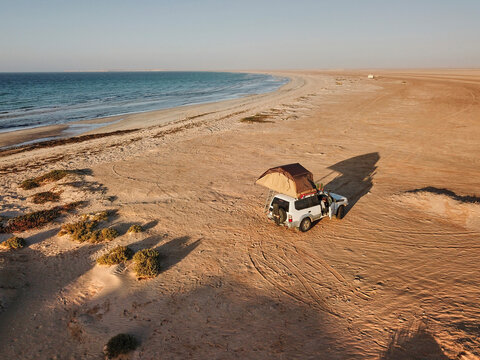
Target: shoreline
[(26, 136), (146, 127)]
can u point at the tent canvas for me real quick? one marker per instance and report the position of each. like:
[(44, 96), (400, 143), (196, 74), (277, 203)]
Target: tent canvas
[(292, 179)]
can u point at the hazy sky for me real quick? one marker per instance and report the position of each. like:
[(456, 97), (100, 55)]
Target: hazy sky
[(42, 35)]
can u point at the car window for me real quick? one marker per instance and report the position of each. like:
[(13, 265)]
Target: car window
[(301, 204), (281, 203), (314, 201), (306, 203)]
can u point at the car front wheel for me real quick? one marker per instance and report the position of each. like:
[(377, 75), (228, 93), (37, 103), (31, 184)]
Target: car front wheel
[(341, 212), (306, 224)]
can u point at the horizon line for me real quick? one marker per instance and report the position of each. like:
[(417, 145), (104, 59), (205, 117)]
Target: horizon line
[(245, 70)]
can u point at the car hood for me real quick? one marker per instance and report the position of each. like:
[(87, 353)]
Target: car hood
[(338, 197)]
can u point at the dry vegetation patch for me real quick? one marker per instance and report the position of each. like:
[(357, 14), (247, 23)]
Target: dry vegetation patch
[(109, 234), (13, 243), (53, 143), (87, 229), (106, 234), (147, 263), (29, 184), (51, 176), (258, 118), (43, 197), (135, 229), (120, 344), (38, 218), (98, 216), (117, 255), (80, 231)]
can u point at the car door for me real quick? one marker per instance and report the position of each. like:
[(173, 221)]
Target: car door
[(332, 209), (315, 209), (308, 206)]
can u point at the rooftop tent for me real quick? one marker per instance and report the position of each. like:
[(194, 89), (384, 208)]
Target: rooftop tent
[(292, 179)]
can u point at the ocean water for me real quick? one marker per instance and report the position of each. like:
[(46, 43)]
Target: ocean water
[(36, 99)]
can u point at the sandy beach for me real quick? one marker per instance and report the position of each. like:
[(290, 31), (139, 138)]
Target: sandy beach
[(397, 278)]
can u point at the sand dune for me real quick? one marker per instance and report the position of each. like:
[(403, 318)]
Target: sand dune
[(395, 279), (462, 210)]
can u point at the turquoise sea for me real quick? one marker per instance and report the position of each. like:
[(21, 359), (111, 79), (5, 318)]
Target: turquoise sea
[(36, 99)]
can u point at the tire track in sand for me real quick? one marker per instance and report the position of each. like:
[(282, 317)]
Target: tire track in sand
[(306, 277), (271, 273)]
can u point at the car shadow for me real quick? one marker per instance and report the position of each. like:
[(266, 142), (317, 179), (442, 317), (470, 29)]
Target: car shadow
[(355, 179)]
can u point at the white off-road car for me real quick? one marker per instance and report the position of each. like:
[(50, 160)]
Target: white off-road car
[(301, 213)]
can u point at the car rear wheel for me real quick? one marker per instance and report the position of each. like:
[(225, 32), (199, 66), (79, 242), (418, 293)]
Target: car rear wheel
[(279, 214), (306, 224), (341, 212)]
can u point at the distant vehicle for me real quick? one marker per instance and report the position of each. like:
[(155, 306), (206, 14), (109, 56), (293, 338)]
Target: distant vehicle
[(301, 213)]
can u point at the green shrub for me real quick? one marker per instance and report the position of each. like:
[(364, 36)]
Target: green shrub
[(51, 176), (116, 256), (80, 231), (86, 229), (95, 237), (147, 263), (13, 243), (43, 197), (120, 344), (38, 218), (109, 234), (135, 229)]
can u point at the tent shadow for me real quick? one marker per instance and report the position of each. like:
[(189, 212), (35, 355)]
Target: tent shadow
[(356, 177)]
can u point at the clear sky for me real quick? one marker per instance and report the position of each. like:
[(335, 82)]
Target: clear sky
[(55, 35)]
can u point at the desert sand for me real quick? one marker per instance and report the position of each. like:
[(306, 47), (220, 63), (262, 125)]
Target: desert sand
[(397, 278)]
